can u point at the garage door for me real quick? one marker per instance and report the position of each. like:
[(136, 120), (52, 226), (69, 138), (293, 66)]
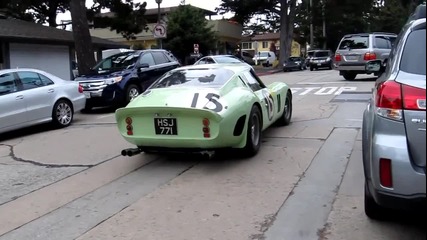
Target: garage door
[(49, 58)]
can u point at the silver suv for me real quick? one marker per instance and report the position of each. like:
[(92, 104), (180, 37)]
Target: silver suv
[(355, 50), (394, 128)]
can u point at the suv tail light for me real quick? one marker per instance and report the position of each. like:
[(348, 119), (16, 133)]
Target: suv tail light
[(338, 57), (80, 88), (392, 98), (370, 56)]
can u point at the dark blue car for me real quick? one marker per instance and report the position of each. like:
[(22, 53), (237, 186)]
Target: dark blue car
[(118, 79)]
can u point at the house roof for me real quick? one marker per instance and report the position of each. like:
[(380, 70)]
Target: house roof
[(266, 36), (150, 12), (18, 30)]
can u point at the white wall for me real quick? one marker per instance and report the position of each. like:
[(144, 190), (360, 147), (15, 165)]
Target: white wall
[(50, 58)]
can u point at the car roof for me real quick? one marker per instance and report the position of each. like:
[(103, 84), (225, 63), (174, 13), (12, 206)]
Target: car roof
[(235, 67), (9, 70)]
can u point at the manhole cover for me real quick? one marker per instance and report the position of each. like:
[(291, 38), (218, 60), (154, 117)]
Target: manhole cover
[(353, 97)]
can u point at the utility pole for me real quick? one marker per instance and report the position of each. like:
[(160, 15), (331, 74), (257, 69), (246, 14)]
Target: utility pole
[(159, 40), (311, 25)]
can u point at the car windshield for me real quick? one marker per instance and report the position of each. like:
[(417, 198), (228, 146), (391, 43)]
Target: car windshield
[(321, 54), (201, 77), (414, 54), (354, 42), (263, 54), (294, 59), (117, 62), (227, 59)]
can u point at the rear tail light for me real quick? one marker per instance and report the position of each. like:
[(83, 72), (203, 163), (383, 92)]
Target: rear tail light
[(80, 88), (370, 56), (414, 98), (206, 129), (338, 57), (386, 177), (392, 98), (129, 126)]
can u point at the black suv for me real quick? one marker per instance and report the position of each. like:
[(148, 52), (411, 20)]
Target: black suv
[(118, 79), (321, 59)]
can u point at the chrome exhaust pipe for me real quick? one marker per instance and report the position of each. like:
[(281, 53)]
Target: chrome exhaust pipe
[(131, 152)]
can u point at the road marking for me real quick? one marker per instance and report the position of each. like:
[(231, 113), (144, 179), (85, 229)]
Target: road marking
[(321, 83), (321, 91), (105, 116)]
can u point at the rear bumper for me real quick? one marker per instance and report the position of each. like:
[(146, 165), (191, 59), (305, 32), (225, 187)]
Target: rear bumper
[(409, 181), (79, 104), (357, 67), (321, 65)]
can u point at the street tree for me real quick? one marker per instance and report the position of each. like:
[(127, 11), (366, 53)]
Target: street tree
[(280, 14), (187, 26)]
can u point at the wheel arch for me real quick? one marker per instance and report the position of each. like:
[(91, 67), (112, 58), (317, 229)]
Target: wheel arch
[(63, 99)]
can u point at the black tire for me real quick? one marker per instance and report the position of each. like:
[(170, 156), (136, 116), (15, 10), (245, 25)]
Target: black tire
[(88, 107), (131, 90), (286, 117), (311, 68), (254, 133), (372, 209), (62, 114), (349, 76)]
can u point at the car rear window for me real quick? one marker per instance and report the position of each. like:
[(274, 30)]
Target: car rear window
[(414, 53), (201, 77), (354, 42), (321, 54)]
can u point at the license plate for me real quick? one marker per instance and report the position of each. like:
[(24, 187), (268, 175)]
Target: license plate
[(165, 126), (352, 58), (87, 94), (319, 64)]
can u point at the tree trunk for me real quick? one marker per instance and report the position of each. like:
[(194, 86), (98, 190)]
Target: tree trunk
[(286, 29), (82, 38), (53, 6)]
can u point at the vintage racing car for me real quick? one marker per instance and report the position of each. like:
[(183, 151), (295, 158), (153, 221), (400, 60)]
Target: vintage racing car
[(204, 108)]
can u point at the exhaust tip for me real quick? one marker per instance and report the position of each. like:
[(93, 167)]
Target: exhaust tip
[(124, 153)]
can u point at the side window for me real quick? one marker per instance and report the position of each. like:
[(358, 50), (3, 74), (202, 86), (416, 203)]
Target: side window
[(30, 80), (7, 84), (45, 80), (148, 59), (160, 58), (201, 61), (209, 61), (382, 43), (253, 82)]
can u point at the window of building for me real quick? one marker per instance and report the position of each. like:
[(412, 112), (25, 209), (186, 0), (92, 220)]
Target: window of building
[(265, 45), (247, 45)]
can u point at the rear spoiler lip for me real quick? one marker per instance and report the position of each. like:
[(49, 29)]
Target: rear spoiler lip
[(130, 110)]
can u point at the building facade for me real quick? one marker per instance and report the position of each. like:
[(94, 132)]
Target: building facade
[(263, 42), (229, 33)]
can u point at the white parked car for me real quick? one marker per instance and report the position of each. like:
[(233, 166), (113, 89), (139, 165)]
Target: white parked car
[(266, 58), (30, 96)]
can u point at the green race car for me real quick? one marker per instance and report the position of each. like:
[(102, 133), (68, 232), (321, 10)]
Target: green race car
[(204, 108)]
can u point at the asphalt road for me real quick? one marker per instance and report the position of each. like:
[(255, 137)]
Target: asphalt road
[(306, 183)]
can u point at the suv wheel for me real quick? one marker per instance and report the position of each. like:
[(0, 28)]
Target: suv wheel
[(132, 92), (349, 76), (372, 209)]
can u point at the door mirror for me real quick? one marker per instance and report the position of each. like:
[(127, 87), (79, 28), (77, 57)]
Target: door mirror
[(143, 66), (375, 66)]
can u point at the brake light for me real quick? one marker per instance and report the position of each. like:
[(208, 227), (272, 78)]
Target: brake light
[(80, 88), (338, 57), (414, 98), (129, 126), (389, 100), (206, 130), (370, 56), (386, 176)]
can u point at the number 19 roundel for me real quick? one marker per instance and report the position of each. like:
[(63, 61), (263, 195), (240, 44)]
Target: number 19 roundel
[(269, 103)]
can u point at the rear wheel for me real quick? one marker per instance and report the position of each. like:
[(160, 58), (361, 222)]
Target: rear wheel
[(349, 76), (311, 68), (372, 209), (62, 114), (286, 117), (254, 133)]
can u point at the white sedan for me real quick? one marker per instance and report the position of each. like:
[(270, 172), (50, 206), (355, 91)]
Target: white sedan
[(30, 97)]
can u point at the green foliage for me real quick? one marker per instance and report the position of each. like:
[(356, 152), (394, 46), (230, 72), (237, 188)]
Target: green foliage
[(187, 26), (128, 17), (244, 10)]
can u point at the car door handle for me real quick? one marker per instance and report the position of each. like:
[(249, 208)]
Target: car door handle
[(20, 97), (50, 91)]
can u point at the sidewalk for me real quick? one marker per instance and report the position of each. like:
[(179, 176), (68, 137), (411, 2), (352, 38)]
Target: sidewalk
[(262, 71)]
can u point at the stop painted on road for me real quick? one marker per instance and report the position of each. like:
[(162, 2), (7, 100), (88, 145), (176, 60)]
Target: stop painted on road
[(321, 91)]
